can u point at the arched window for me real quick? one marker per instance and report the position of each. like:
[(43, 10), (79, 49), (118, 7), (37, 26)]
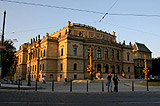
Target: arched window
[(117, 55), (75, 66), (62, 52), (80, 33), (112, 54), (44, 52), (61, 66), (106, 68), (106, 53), (128, 56), (98, 52)]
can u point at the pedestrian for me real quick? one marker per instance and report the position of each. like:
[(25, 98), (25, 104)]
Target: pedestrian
[(109, 81), (115, 80), (43, 78)]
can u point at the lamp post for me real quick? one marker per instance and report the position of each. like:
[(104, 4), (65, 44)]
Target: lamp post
[(90, 67), (145, 70), (2, 39), (38, 53)]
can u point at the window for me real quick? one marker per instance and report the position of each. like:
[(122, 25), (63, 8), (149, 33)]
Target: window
[(80, 33), (35, 67), (75, 66), (51, 76), (75, 76), (43, 67), (117, 55), (61, 76), (98, 52), (75, 51), (61, 66), (28, 69), (106, 53), (44, 53), (112, 54), (128, 57), (128, 69), (62, 52)]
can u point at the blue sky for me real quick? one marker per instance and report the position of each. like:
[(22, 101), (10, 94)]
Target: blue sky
[(24, 22)]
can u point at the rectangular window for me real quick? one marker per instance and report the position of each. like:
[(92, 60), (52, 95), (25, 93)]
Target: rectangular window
[(61, 76), (62, 52), (75, 51), (128, 69), (35, 67), (75, 76)]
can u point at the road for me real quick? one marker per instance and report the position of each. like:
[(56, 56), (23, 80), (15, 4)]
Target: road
[(33, 98)]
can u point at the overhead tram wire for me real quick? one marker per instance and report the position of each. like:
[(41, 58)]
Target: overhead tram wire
[(108, 11), (131, 29), (51, 6), (81, 10)]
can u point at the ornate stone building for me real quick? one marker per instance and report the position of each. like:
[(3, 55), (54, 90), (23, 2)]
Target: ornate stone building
[(64, 54), (139, 50)]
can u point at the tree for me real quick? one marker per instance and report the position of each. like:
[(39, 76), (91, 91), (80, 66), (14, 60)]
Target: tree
[(156, 66), (8, 57)]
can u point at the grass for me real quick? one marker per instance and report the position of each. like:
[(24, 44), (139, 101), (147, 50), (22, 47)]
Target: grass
[(149, 83)]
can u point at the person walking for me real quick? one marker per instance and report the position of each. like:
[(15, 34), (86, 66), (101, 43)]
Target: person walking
[(115, 80), (109, 81)]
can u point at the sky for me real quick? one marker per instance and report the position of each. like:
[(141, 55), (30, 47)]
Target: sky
[(24, 22)]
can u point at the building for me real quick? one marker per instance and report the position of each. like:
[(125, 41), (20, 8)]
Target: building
[(65, 54), (139, 50)]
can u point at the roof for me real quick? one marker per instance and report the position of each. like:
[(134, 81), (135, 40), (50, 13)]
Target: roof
[(142, 47)]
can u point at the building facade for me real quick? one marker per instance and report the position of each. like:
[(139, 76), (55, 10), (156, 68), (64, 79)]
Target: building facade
[(65, 54), (139, 50)]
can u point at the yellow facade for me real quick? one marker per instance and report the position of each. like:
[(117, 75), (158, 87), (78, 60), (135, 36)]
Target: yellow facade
[(64, 54)]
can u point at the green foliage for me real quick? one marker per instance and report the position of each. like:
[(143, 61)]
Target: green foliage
[(8, 57)]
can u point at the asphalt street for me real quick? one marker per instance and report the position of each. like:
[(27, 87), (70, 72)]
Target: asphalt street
[(33, 98)]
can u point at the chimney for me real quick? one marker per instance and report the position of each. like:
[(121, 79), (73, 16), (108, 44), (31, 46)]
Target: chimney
[(38, 37), (31, 41), (113, 33), (68, 23)]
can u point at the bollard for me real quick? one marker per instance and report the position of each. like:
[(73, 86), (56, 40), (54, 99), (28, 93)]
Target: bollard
[(147, 85), (102, 86), (52, 85), (87, 85), (132, 85), (71, 86), (36, 85), (18, 84)]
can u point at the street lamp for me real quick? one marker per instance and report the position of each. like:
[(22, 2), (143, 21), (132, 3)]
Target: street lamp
[(90, 67)]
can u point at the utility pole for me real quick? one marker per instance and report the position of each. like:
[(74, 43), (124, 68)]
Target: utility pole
[(2, 47)]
